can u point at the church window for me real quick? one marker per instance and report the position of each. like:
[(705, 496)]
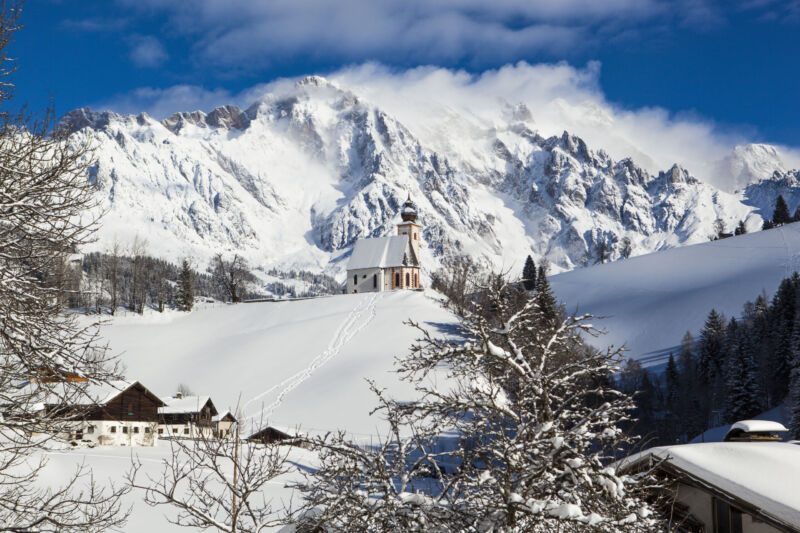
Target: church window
[(416, 281), (408, 279), (374, 281), (397, 280), (355, 279)]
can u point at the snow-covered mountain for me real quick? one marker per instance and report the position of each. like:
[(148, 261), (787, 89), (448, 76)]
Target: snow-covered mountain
[(296, 178)]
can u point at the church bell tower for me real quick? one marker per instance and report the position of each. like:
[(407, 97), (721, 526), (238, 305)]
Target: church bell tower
[(409, 226)]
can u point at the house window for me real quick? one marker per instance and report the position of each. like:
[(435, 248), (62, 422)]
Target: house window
[(125, 429), (147, 429), (174, 430), (136, 429), (90, 430), (397, 280), (113, 429), (185, 431), (160, 431), (727, 519), (374, 281)]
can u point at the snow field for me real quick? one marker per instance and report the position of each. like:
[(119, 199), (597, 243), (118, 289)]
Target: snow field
[(650, 301)]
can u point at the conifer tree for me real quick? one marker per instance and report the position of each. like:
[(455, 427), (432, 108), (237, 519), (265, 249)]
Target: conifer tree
[(741, 382), (529, 274), (712, 351), (740, 229), (781, 214), (545, 299), (185, 294), (794, 388)]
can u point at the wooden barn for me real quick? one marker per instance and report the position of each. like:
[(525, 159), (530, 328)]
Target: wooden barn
[(275, 434)]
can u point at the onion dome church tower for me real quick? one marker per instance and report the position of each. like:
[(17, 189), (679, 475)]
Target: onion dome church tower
[(409, 225)]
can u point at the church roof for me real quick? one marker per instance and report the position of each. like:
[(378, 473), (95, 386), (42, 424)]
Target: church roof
[(380, 252)]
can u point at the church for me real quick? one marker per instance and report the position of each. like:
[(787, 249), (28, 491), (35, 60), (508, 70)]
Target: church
[(387, 263)]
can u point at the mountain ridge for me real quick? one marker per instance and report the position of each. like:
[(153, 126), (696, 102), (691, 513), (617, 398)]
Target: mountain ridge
[(293, 180)]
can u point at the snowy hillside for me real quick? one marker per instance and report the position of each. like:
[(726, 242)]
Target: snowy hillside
[(301, 363), (652, 300), (296, 178)]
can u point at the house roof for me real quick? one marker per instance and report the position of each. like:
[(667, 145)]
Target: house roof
[(185, 405), (80, 393), (762, 474), (380, 252), (224, 415)]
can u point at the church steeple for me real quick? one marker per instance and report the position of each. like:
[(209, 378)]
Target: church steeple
[(409, 211), (409, 226)]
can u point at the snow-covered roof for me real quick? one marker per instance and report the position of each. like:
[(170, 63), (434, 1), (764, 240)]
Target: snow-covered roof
[(763, 474), (759, 426), (184, 405), (380, 252), (221, 416)]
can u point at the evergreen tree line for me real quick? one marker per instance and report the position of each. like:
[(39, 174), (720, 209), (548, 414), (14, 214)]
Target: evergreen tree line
[(735, 370)]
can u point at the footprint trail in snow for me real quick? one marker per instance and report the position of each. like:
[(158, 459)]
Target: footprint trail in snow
[(358, 318)]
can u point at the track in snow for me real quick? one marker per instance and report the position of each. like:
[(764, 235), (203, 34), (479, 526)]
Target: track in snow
[(361, 315)]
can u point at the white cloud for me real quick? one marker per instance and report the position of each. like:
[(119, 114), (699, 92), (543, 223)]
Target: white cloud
[(254, 33), (147, 51), (161, 103), (439, 105)]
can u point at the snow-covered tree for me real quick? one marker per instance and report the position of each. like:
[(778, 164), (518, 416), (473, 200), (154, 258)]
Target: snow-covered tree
[(45, 214), (521, 439)]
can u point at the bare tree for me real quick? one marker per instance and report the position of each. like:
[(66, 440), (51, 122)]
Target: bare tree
[(626, 247), (232, 277), (113, 276), (216, 483), (46, 206), (528, 426), (138, 291)]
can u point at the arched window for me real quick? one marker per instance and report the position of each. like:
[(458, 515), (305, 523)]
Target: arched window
[(408, 279), (374, 281), (397, 280), (355, 279), (416, 281)]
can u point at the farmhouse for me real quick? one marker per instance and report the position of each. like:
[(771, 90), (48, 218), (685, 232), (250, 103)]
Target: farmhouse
[(272, 434), (187, 416), (747, 484), (118, 413), (387, 263)]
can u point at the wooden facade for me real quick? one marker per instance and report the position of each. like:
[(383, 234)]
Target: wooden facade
[(135, 403)]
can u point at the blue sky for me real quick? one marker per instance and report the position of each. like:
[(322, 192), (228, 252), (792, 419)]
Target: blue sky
[(735, 65)]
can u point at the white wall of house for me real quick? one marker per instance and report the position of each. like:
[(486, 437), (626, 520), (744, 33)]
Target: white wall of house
[(114, 433), (185, 431), (701, 505)]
